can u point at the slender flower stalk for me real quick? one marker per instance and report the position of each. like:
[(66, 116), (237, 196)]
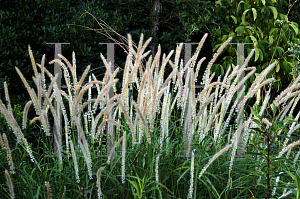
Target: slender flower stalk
[(15, 127), (190, 195), (113, 149), (213, 159), (25, 113), (9, 158), (290, 146), (98, 181), (7, 97), (285, 194), (10, 185), (2, 143)]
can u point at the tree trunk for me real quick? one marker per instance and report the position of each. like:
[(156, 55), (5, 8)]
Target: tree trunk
[(155, 13)]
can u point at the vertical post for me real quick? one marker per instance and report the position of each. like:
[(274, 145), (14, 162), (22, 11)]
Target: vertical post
[(187, 57), (110, 140), (240, 120), (110, 128), (57, 69)]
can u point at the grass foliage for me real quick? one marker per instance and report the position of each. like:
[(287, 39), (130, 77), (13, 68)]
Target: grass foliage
[(171, 141)]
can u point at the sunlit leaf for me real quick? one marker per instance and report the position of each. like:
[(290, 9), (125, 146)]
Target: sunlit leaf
[(244, 15), (261, 55), (239, 5), (277, 68), (272, 30), (256, 54), (271, 39), (286, 66), (280, 50), (254, 40), (239, 30), (294, 26), (254, 13), (274, 11), (234, 19)]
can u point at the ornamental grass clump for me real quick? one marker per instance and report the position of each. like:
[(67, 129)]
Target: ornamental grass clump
[(148, 137)]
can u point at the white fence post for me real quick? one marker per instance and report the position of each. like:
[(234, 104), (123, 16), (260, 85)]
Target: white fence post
[(57, 69), (187, 57), (240, 61), (110, 139)]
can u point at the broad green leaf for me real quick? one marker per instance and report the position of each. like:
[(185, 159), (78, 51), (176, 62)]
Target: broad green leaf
[(280, 50), (264, 2), (247, 6), (274, 11), (277, 68), (239, 30), (227, 19), (286, 66), (283, 37), (256, 54), (291, 64), (271, 39), (254, 13), (225, 37), (234, 19), (254, 40), (222, 70), (261, 34), (261, 55), (219, 2), (285, 27), (239, 6), (282, 17), (272, 30), (294, 26), (244, 23), (244, 15)]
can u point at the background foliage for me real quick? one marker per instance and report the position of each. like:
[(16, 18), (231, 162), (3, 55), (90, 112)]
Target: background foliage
[(260, 23), (36, 23)]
